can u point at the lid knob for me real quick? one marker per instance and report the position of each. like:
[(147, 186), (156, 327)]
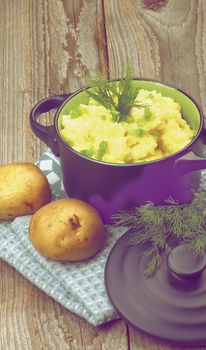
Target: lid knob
[(184, 264)]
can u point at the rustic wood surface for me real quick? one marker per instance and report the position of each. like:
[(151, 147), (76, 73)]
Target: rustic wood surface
[(48, 47)]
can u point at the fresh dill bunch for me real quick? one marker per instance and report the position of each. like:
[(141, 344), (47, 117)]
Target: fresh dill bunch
[(154, 262), (195, 241), (156, 228), (117, 96), (148, 230)]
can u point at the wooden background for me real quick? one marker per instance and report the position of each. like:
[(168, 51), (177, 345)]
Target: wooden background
[(48, 47)]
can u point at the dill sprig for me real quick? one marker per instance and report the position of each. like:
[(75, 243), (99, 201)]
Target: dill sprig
[(117, 96), (156, 228)]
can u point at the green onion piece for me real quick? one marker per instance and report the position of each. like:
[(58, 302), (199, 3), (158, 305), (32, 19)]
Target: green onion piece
[(102, 150), (138, 132), (70, 142), (75, 113), (87, 152), (147, 114)]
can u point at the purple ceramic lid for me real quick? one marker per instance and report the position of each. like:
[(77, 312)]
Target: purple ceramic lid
[(171, 305)]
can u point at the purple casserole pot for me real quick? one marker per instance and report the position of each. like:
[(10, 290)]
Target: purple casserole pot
[(112, 187)]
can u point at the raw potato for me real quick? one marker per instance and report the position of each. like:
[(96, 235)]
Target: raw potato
[(23, 190), (67, 229)]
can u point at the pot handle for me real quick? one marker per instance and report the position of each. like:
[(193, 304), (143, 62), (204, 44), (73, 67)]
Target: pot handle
[(189, 162), (47, 133)]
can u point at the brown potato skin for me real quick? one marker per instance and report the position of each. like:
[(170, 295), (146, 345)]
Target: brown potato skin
[(23, 190), (67, 230)]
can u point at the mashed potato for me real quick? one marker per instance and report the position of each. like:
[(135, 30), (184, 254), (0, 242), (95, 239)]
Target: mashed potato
[(150, 132)]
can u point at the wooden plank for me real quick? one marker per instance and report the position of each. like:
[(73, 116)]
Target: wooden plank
[(164, 40), (47, 47)]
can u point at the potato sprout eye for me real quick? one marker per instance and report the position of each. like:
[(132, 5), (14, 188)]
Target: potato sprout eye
[(74, 222)]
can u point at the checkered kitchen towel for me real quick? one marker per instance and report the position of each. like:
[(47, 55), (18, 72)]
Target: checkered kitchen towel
[(77, 286)]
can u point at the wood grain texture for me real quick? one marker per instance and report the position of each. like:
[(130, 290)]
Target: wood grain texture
[(47, 47)]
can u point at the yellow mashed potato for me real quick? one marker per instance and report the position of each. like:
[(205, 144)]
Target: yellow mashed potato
[(151, 132)]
